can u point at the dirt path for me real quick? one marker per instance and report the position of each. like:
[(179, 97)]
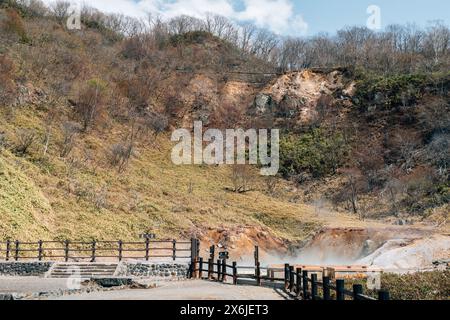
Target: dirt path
[(185, 290)]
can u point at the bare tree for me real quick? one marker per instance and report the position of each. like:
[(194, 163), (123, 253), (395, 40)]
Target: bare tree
[(7, 86), (247, 32), (241, 177), (292, 54), (33, 8), (25, 139), (119, 155), (90, 102), (264, 44), (393, 188), (437, 42), (156, 122), (438, 153), (183, 24), (60, 10), (70, 130), (352, 188), (272, 183)]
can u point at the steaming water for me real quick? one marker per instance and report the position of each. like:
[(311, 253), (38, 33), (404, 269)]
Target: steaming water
[(389, 251)]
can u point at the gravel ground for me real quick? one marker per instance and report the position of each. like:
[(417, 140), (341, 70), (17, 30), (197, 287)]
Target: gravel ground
[(186, 290)]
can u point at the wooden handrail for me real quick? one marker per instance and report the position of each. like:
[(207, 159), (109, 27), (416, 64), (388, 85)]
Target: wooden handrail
[(18, 250), (296, 281)]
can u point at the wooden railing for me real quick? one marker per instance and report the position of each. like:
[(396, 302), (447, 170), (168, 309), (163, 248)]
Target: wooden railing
[(298, 283), (93, 250), (307, 286)]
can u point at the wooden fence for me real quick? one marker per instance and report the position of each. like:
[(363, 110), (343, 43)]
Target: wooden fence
[(298, 283), (93, 250)]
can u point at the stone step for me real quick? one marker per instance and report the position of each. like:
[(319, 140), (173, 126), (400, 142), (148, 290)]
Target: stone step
[(82, 273), (71, 276), (90, 265), (90, 272), (70, 272), (84, 270)]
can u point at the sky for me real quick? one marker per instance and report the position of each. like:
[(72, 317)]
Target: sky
[(288, 17)]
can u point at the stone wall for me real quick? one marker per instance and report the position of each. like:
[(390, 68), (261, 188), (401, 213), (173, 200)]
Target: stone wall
[(24, 268), (154, 270), (165, 271)]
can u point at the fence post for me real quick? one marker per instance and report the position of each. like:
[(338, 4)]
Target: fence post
[(383, 295), (291, 278), (174, 250), (224, 270), (8, 249), (120, 250), (197, 248), (147, 248), (210, 268), (313, 286), (66, 250), (194, 256), (40, 250), (94, 243), (234, 273), (258, 274), (16, 251), (219, 271), (298, 284), (326, 288), (256, 255), (340, 287), (200, 268), (190, 270), (194, 269), (357, 290), (305, 284), (193, 250), (286, 276), (212, 251)]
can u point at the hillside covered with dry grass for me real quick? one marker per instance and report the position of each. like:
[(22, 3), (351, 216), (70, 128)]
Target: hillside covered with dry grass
[(59, 179), (86, 116)]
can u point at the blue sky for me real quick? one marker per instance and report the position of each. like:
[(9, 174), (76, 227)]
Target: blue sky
[(287, 17), (330, 15)]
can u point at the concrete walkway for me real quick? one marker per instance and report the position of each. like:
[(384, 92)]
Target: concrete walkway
[(185, 290), (31, 284)]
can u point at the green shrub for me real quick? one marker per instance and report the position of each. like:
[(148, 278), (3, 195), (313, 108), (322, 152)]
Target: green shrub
[(315, 153), (397, 90)]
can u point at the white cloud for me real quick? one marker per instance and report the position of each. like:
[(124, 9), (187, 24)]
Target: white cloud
[(276, 15), (197, 8)]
